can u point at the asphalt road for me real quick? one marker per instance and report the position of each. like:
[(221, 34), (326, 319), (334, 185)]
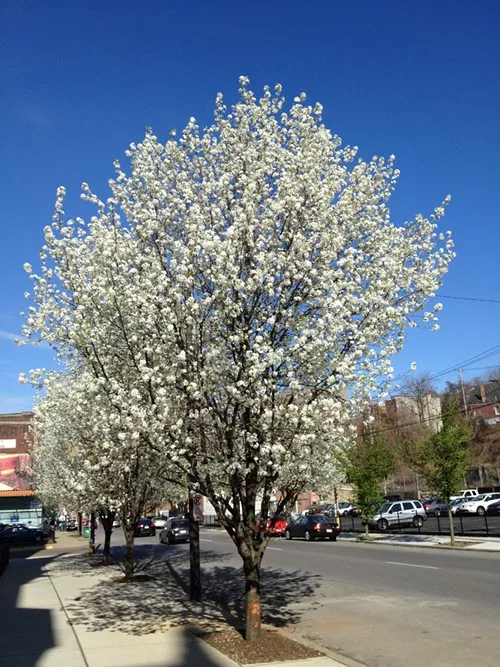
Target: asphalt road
[(383, 605)]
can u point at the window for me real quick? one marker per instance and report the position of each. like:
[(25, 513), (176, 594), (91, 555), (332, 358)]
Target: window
[(396, 508), (408, 506), (418, 504)]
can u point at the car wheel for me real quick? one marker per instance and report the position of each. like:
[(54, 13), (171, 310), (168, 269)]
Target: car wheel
[(418, 522), (383, 525), (333, 538), (308, 537), (481, 511), (346, 513), (288, 535)]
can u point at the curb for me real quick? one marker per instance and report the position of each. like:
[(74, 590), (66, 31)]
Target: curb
[(334, 655), (424, 545)]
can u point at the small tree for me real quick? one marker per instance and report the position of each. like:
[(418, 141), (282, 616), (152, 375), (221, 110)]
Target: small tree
[(444, 458), (367, 465)]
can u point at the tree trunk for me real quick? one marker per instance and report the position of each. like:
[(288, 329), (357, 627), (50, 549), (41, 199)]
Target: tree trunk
[(129, 531), (194, 553), (452, 527), (107, 524), (251, 568), (79, 524), (367, 530), (92, 533)]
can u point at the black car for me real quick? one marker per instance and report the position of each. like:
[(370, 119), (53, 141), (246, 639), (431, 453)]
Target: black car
[(19, 534), (145, 528), (176, 530), (312, 526), (394, 498), (72, 524), (494, 508)]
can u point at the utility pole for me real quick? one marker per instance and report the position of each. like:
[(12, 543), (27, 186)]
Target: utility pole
[(463, 391)]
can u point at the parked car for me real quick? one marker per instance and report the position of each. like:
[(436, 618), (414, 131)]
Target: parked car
[(144, 528), (72, 524), (456, 504), (176, 530), (279, 527), (311, 527), (494, 508), (405, 512), (159, 522), (116, 522), (18, 534), (435, 507), (466, 493), (348, 509), (478, 504)]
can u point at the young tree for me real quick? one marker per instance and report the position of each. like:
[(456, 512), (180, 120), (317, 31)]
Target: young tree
[(367, 465), (252, 282), (444, 458)]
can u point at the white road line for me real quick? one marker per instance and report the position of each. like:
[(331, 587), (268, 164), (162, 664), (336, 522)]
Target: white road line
[(274, 549), (427, 567)]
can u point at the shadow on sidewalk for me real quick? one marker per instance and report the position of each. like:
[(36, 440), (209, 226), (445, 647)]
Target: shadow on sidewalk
[(143, 607), (196, 653), (25, 633)]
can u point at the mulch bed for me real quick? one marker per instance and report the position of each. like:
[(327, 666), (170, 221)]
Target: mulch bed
[(459, 543), (271, 646)]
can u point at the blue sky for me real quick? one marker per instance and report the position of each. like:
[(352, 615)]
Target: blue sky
[(80, 81)]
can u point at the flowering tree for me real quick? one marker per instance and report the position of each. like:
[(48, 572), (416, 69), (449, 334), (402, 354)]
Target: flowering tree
[(82, 459), (262, 290)]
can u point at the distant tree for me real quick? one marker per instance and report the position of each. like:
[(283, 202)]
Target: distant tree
[(444, 458), (417, 386), (367, 465)]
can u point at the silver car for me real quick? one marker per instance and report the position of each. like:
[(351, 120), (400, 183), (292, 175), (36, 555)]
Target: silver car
[(401, 513)]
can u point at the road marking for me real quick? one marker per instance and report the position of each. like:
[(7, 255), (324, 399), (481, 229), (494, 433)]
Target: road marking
[(427, 567), (274, 549), (204, 539)]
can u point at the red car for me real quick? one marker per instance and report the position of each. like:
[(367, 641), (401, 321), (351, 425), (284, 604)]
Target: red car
[(278, 529)]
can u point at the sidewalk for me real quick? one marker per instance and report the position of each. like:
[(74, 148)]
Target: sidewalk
[(415, 540), (56, 613)]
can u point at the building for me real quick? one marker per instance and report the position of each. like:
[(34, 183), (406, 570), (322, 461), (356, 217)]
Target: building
[(484, 402), (18, 502), (410, 410)]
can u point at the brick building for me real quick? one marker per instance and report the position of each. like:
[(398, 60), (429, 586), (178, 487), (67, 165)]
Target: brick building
[(17, 498), (484, 402)]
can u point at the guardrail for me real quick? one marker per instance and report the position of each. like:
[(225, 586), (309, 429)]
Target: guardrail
[(466, 525)]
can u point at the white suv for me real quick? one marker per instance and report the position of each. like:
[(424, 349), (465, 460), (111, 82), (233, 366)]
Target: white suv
[(478, 504), (403, 512)]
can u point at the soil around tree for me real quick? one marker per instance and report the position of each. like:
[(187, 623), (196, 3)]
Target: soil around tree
[(270, 646)]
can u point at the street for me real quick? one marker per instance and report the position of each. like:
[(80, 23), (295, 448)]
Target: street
[(382, 605)]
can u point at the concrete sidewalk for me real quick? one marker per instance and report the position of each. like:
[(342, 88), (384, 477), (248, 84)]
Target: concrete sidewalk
[(48, 620)]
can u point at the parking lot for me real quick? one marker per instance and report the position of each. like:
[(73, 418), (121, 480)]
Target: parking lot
[(464, 525)]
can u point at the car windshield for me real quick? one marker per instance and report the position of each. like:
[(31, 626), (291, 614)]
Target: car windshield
[(322, 517), (474, 498), (385, 508)]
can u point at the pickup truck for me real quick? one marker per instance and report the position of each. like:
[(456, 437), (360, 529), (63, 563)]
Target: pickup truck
[(466, 493)]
